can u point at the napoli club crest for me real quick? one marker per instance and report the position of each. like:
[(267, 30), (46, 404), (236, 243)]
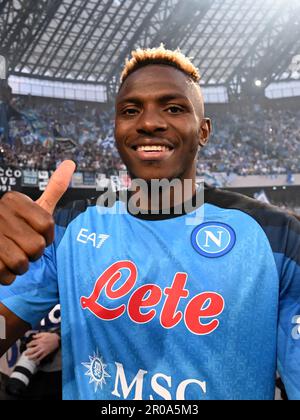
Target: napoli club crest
[(213, 239)]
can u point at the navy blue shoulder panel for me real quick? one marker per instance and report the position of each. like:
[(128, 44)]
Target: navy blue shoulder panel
[(282, 229), (66, 214)]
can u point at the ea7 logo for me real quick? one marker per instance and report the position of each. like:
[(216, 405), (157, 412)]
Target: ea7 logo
[(96, 240), (2, 328), (296, 329)]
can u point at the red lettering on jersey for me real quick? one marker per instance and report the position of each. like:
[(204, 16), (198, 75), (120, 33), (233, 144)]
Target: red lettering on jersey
[(195, 311), (169, 317), (139, 300), (202, 306), (109, 279)]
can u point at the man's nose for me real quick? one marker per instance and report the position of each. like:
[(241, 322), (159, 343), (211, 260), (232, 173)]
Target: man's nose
[(151, 121)]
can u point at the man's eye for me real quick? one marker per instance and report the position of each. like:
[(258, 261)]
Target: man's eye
[(174, 109), (130, 111)]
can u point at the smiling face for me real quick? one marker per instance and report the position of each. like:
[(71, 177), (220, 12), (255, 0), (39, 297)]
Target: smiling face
[(159, 123)]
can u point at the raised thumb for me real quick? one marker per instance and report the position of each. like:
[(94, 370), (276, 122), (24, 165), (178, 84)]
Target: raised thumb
[(57, 186)]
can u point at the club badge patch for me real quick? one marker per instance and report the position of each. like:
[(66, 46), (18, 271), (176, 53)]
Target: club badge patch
[(213, 239)]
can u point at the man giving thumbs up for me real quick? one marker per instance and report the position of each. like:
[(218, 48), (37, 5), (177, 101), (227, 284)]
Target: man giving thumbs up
[(26, 229), (152, 306)]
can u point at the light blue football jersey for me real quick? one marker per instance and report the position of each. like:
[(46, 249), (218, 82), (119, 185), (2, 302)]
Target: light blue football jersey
[(161, 308)]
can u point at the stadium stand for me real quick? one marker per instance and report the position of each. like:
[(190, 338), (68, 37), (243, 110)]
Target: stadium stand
[(254, 141)]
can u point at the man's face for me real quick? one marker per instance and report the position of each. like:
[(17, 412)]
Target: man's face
[(159, 123)]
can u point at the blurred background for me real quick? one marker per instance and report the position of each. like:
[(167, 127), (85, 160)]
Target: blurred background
[(60, 62)]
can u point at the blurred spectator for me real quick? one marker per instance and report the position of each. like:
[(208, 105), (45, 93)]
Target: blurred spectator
[(36, 373)]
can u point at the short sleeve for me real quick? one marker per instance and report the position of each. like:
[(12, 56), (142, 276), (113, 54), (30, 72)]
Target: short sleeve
[(32, 295)]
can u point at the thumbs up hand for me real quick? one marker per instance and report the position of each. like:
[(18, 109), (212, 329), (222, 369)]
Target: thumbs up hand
[(57, 186), (27, 227)]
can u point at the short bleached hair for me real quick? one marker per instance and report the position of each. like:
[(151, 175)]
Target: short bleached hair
[(143, 57)]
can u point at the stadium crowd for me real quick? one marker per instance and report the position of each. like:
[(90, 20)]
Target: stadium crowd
[(256, 141), (260, 141)]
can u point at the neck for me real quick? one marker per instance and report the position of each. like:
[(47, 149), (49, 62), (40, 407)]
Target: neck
[(163, 195)]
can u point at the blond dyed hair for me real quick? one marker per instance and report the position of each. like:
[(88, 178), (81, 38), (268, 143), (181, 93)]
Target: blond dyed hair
[(142, 57)]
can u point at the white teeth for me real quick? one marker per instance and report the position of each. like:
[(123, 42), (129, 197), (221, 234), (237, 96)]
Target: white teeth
[(152, 148)]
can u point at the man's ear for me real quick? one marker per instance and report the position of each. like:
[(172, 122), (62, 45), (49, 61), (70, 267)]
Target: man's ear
[(205, 130)]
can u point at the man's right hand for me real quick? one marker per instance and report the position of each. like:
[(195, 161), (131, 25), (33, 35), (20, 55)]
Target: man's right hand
[(27, 227)]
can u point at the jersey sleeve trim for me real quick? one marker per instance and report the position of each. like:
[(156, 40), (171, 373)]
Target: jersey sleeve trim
[(281, 229)]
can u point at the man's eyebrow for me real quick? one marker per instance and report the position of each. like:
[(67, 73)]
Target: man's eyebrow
[(171, 97), (160, 98), (129, 99)]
